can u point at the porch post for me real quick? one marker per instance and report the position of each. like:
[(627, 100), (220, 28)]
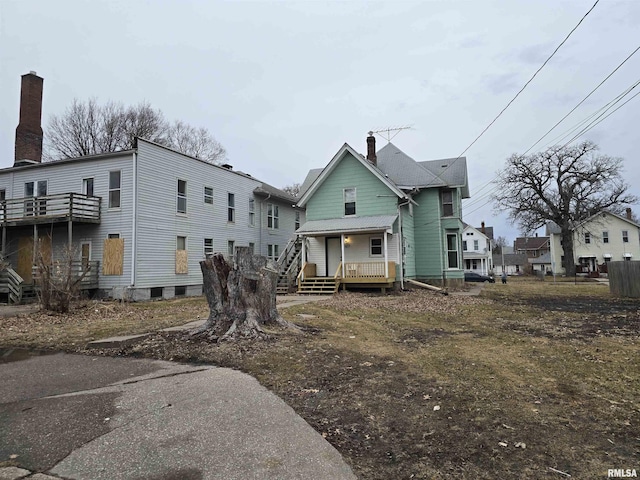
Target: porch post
[(342, 254), (35, 244), (4, 240), (70, 233), (386, 257), (304, 255)]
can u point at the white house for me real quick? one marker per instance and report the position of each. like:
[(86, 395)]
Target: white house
[(477, 246), (141, 219), (602, 238)]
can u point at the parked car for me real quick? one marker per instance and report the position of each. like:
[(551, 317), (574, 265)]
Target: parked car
[(476, 277)]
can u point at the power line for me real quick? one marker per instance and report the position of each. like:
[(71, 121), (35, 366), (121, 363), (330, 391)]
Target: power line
[(530, 80)]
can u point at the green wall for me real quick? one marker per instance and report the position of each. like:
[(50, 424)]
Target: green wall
[(372, 196)]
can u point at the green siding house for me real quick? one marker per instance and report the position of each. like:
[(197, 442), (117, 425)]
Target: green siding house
[(380, 220)]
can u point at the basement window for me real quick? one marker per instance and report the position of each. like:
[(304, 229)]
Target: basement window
[(181, 291), (156, 292)]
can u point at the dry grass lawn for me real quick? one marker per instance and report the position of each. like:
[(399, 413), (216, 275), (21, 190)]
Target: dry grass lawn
[(527, 379)]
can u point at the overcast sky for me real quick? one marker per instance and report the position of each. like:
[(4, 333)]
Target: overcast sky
[(282, 85)]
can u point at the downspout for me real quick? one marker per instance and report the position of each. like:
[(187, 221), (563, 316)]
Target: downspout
[(401, 243), (134, 222)]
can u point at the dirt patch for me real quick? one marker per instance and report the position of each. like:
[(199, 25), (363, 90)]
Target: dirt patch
[(511, 384)]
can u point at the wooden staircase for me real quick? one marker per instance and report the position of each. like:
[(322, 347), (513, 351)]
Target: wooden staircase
[(11, 285), (289, 267), (319, 285)]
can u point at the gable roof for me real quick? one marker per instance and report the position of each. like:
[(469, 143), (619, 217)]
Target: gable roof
[(335, 161), (510, 259), (309, 179), (552, 228), (488, 231), (271, 191)]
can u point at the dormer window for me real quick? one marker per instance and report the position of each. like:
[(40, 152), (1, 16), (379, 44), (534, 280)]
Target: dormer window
[(349, 201)]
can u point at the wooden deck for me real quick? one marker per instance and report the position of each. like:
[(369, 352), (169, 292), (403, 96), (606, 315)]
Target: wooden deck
[(63, 207)]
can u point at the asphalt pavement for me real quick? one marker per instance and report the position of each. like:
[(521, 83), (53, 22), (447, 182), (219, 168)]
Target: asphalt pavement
[(82, 417)]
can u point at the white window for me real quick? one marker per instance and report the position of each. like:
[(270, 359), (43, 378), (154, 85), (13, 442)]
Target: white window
[(208, 247), (625, 236), (272, 216), (208, 195), (113, 235), (181, 243), (231, 245), (231, 207), (28, 193), (605, 237), (475, 246), (114, 189), (297, 220), (273, 251), (452, 250), (375, 246), (182, 197), (252, 212), (252, 247), (464, 244), (587, 237), (350, 201)]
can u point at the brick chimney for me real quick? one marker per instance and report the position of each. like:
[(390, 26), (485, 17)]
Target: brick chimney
[(628, 213), (29, 130), (371, 149), (482, 229)]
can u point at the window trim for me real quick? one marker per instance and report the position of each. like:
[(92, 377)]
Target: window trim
[(605, 236), (447, 203), (587, 238), (231, 207), (205, 248), (252, 212), (273, 251), (449, 251), (354, 202), (231, 247), (185, 242), (273, 216), (625, 236), (371, 246), (181, 196), (118, 189), (208, 198)]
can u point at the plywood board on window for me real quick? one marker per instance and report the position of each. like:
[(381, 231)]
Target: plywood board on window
[(113, 256), (25, 259), (182, 261)]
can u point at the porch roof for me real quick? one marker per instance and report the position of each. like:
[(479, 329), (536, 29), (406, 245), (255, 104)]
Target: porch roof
[(347, 225)]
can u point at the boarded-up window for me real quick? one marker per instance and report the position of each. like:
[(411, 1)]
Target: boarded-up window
[(182, 261), (113, 256)]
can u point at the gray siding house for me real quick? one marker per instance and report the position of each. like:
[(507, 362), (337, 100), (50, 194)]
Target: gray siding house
[(141, 219)]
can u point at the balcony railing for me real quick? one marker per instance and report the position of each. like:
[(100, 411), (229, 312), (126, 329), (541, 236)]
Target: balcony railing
[(58, 270), (365, 271), (50, 208)]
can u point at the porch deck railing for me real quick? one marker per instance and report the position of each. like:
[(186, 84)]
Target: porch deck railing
[(90, 279), (367, 270), (63, 206)]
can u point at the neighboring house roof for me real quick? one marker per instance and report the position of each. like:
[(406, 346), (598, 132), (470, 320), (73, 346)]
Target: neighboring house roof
[(488, 231), (348, 224), (335, 161), (531, 243), (310, 178), (510, 259), (542, 259), (552, 228), (271, 191), (452, 171)]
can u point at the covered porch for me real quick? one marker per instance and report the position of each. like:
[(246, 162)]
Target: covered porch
[(352, 251)]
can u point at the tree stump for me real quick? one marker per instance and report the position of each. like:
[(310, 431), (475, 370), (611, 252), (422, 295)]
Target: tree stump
[(241, 296)]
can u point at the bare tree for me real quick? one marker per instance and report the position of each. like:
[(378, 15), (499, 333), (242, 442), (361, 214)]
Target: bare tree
[(498, 244), (563, 185), (196, 142), (87, 128), (293, 189)]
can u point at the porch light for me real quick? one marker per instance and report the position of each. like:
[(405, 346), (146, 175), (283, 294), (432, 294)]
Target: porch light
[(347, 240)]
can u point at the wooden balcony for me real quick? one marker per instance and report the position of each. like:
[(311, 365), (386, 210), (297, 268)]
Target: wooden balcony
[(63, 207)]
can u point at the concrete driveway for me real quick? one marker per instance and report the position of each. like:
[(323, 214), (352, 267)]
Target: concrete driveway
[(81, 417)]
